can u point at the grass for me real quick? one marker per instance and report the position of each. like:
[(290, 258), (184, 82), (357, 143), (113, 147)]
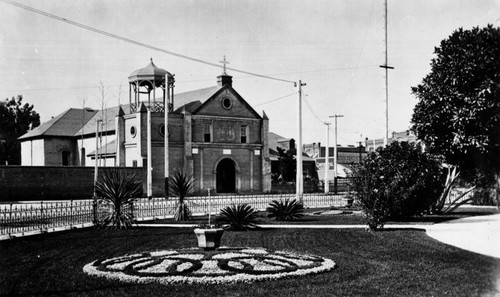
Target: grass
[(351, 216), (388, 263)]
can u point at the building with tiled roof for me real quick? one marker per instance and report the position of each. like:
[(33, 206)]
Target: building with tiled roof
[(214, 135)]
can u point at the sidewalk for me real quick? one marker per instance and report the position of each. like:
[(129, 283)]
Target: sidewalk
[(479, 234)]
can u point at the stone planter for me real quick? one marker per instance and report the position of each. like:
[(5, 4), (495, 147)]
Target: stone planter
[(209, 239)]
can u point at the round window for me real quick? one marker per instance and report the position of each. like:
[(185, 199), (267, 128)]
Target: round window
[(133, 131), (226, 103)]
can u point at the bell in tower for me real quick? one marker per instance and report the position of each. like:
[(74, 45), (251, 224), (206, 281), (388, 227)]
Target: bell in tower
[(145, 81)]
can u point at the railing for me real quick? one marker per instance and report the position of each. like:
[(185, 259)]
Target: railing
[(44, 216), (40, 217), (147, 209)]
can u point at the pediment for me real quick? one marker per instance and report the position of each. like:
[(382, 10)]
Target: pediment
[(227, 103)]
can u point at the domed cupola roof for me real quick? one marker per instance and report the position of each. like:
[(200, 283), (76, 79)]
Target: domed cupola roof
[(149, 73)]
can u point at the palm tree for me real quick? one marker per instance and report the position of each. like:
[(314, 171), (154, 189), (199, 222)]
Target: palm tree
[(117, 191), (181, 186)]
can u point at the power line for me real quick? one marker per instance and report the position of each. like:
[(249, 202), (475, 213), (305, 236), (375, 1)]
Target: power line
[(311, 110), (283, 97), (128, 40)]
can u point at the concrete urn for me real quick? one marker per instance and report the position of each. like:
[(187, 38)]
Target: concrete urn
[(209, 239)]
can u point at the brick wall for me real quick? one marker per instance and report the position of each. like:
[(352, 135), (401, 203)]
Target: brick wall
[(20, 183)]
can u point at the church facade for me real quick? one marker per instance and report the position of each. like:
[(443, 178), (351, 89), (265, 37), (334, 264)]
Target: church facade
[(212, 134)]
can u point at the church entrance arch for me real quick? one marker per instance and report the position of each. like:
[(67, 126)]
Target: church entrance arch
[(226, 176)]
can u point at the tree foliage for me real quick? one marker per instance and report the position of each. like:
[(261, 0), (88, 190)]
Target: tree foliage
[(287, 163), (458, 109), (16, 119), (396, 182)]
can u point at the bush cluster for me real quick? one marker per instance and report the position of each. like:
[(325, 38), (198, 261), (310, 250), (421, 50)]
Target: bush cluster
[(396, 182)]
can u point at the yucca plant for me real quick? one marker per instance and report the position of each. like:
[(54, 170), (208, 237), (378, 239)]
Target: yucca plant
[(240, 217), (181, 186), (117, 191), (285, 210)]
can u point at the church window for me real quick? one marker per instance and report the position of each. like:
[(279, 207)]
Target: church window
[(226, 103), (207, 133), (133, 131), (244, 134)]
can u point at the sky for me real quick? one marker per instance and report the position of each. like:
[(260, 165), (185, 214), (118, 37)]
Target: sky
[(335, 47)]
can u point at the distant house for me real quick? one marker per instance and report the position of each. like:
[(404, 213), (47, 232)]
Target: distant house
[(346, 157), (407, 135), (214, 135), (275, 140)]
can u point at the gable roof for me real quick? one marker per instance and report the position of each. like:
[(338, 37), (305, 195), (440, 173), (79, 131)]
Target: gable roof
[(67, 123), (187, 99), (238, 96), (77, 121)]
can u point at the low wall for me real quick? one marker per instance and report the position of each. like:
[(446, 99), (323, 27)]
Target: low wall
[(31, 183)]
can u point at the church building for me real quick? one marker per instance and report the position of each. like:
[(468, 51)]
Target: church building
[(212, 134)]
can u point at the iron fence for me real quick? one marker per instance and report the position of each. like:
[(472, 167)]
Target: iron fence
[(40, 217)]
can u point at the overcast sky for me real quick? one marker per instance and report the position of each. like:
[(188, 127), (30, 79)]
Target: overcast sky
[(335, 47)]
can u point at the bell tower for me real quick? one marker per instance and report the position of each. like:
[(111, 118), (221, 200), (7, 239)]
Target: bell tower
[(145, 110), (144, 81)]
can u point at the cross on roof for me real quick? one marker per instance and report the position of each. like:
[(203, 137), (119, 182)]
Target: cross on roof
[(224, 63)]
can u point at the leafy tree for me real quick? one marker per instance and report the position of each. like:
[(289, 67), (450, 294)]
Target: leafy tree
[(396, 183), (287, 163), (458, 109), (15, 120)]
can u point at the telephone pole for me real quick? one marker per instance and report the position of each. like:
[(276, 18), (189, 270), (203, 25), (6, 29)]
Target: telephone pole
[(335, 153), (387, 67), (299, 181), (327, 157)]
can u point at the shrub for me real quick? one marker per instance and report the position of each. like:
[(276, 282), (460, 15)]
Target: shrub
[(240, 217), (285, 210), (396, 182), (116, 192), (181, 186)]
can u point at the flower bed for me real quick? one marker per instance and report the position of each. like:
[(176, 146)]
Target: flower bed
[(225, 265)]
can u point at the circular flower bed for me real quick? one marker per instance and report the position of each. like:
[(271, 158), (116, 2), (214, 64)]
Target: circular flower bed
[(224, 265)]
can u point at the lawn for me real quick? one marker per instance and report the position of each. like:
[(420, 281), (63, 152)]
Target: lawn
[(387, 263)]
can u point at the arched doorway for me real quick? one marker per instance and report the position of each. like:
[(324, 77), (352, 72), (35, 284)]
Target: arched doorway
[(226, 176)]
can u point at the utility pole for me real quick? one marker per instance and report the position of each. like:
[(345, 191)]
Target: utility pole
[(96, 167), (299, 181), (335, 154), (387, 67), (167, 110), (327, 157)]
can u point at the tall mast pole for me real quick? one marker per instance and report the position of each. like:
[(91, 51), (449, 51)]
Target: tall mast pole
[(387, 67)]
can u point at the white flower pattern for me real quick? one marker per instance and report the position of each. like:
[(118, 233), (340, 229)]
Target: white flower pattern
[(225, 265)]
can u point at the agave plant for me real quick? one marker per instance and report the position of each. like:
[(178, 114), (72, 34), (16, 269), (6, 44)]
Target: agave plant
[(285, 210), (116, 192), (240, 217), (451, 178), (181, 186)]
